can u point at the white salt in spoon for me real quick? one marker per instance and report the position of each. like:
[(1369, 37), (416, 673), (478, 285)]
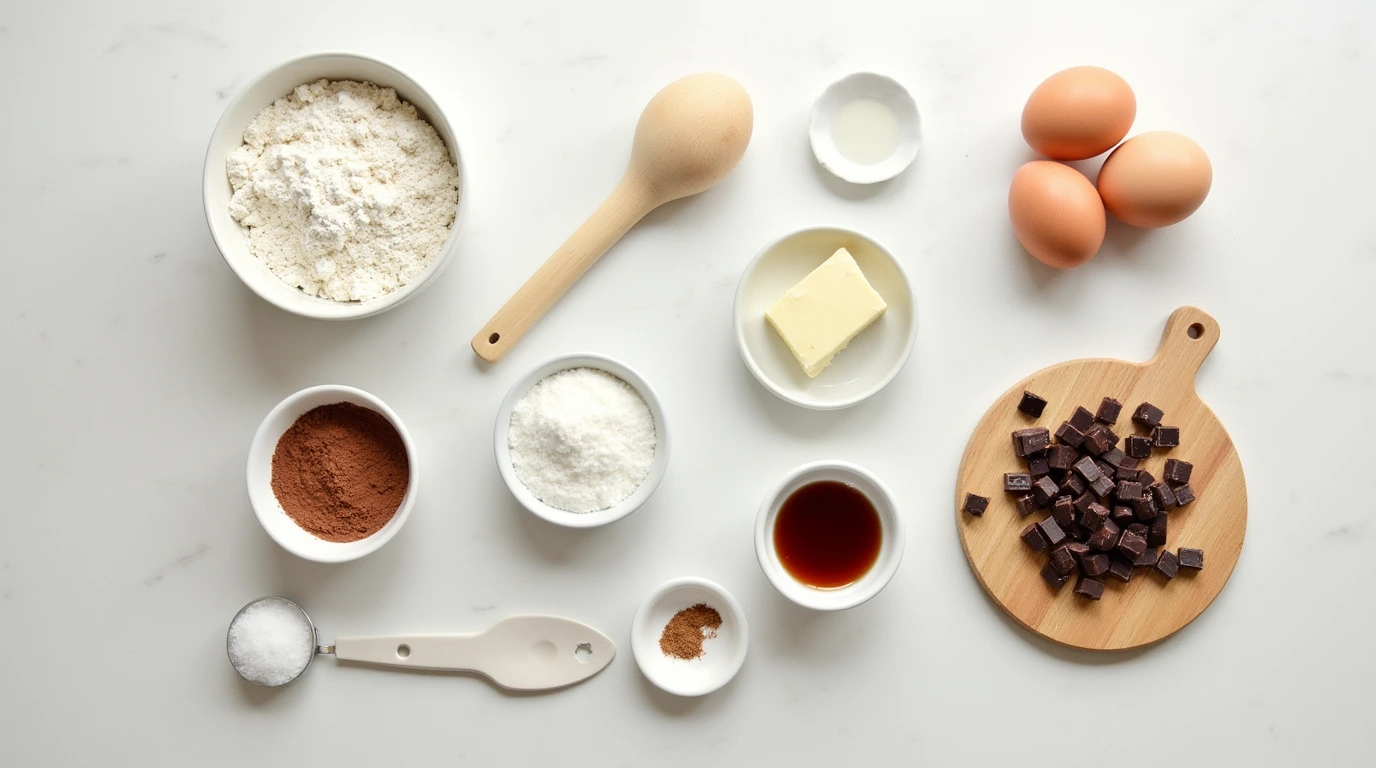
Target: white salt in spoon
[(271, 642)]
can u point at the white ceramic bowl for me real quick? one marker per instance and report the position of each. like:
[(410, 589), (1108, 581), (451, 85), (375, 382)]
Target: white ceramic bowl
[(587, 519), (232, 239), (859, 371), (282, 528), (890, 549), (722, 655), (823, 122)]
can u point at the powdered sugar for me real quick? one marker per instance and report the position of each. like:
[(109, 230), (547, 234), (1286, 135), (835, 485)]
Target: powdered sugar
[(347, 193), (582, 440)]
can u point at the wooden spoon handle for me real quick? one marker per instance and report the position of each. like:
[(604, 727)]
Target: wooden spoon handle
[(1189, 337), (626, 205)]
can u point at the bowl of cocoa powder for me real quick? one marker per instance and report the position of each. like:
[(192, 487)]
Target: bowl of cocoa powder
[(332, 473)]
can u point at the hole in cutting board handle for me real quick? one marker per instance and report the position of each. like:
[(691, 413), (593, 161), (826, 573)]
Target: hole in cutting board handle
[(1194, 331), (403, 651), (583, 653), (494, 338)]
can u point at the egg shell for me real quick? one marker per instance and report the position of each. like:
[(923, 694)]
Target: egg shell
[(1056, 214), (1078, 113), (1155, 180)]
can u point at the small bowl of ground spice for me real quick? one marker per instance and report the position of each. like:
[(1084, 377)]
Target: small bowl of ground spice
[(689, 636), (332, 474), (581, 441)]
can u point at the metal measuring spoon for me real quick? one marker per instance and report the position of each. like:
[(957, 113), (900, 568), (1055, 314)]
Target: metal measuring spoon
[(520, 653)]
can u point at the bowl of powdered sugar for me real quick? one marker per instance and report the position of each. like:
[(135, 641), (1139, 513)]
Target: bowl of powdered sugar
[(332, 186), (581, 441)]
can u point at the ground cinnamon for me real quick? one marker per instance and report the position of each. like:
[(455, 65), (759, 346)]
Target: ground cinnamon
[(340, 471), (685, 633)]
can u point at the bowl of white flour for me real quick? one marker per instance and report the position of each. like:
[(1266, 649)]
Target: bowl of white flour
[(333, 186), (581, 441)]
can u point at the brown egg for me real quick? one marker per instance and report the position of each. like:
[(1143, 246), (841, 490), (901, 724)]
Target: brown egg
[(1056, 214), (1155, 180), (1078, 113)]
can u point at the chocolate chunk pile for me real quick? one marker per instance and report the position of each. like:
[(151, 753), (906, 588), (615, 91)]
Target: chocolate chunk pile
[(1108, 516)]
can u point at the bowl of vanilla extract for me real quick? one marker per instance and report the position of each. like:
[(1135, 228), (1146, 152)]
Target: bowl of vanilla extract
[(828, 536)]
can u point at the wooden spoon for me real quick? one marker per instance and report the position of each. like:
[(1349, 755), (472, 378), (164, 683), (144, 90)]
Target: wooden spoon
[(690, 135)]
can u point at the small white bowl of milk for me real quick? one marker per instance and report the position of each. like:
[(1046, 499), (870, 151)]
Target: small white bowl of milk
[(865, 128)]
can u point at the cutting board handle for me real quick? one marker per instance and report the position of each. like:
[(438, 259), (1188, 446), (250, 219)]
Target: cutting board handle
[(1190, 336)]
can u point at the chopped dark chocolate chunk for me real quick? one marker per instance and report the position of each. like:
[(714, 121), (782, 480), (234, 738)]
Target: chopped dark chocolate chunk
[(1177, 471), (1137, 447), (1167, 564), (1147, 559), (1097, 441), (1148, 415), (1138, 528), (975, 505), (1060, 457), (1044, 490), (1079, 533), (1037, 466), (1030, 442), (1163, 495), (1102, 487), (1090, 588), (1079, 549), (1062, 559), (1017, 482), (1143, 509), (1131, 544), (1108, 411), (1191, 558), (1026, 505), (1122, 516), (1106, 537), (1054, 578), (1081, 419), (1184, 494), (1083, 501), (1095, 565), (1156, 535), (1116, 457), (1128, 490), (1109, 470), (1121, 570), (1146, 478), (1053, 532), (1073, 485), (1063, 510), (1127, 465), (1032, 405), (1087, 469), (1069, 435), (1032, 535), (1165, 437), (1094, 517)]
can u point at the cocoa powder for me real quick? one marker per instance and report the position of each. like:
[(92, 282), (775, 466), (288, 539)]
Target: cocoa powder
[(340, 471), (684, 634)]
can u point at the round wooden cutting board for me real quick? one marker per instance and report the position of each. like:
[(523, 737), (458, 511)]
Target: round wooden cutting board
[(1148, 608)]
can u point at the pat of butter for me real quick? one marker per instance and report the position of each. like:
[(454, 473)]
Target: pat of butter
[(825, 311)]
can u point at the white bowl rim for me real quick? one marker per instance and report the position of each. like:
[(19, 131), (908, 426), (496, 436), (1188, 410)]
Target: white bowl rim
[(909, 144), (370, 544), (502, 450), (340, 310), (780, 392), (729, 605), (851, 596)]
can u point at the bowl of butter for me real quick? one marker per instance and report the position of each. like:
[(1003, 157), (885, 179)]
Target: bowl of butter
[(825, 317)]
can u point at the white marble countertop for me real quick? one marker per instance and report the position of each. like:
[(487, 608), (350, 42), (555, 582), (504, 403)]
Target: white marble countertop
[(136, 368)]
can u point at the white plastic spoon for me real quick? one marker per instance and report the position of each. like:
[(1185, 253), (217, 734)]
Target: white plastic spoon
[(520, 653)]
